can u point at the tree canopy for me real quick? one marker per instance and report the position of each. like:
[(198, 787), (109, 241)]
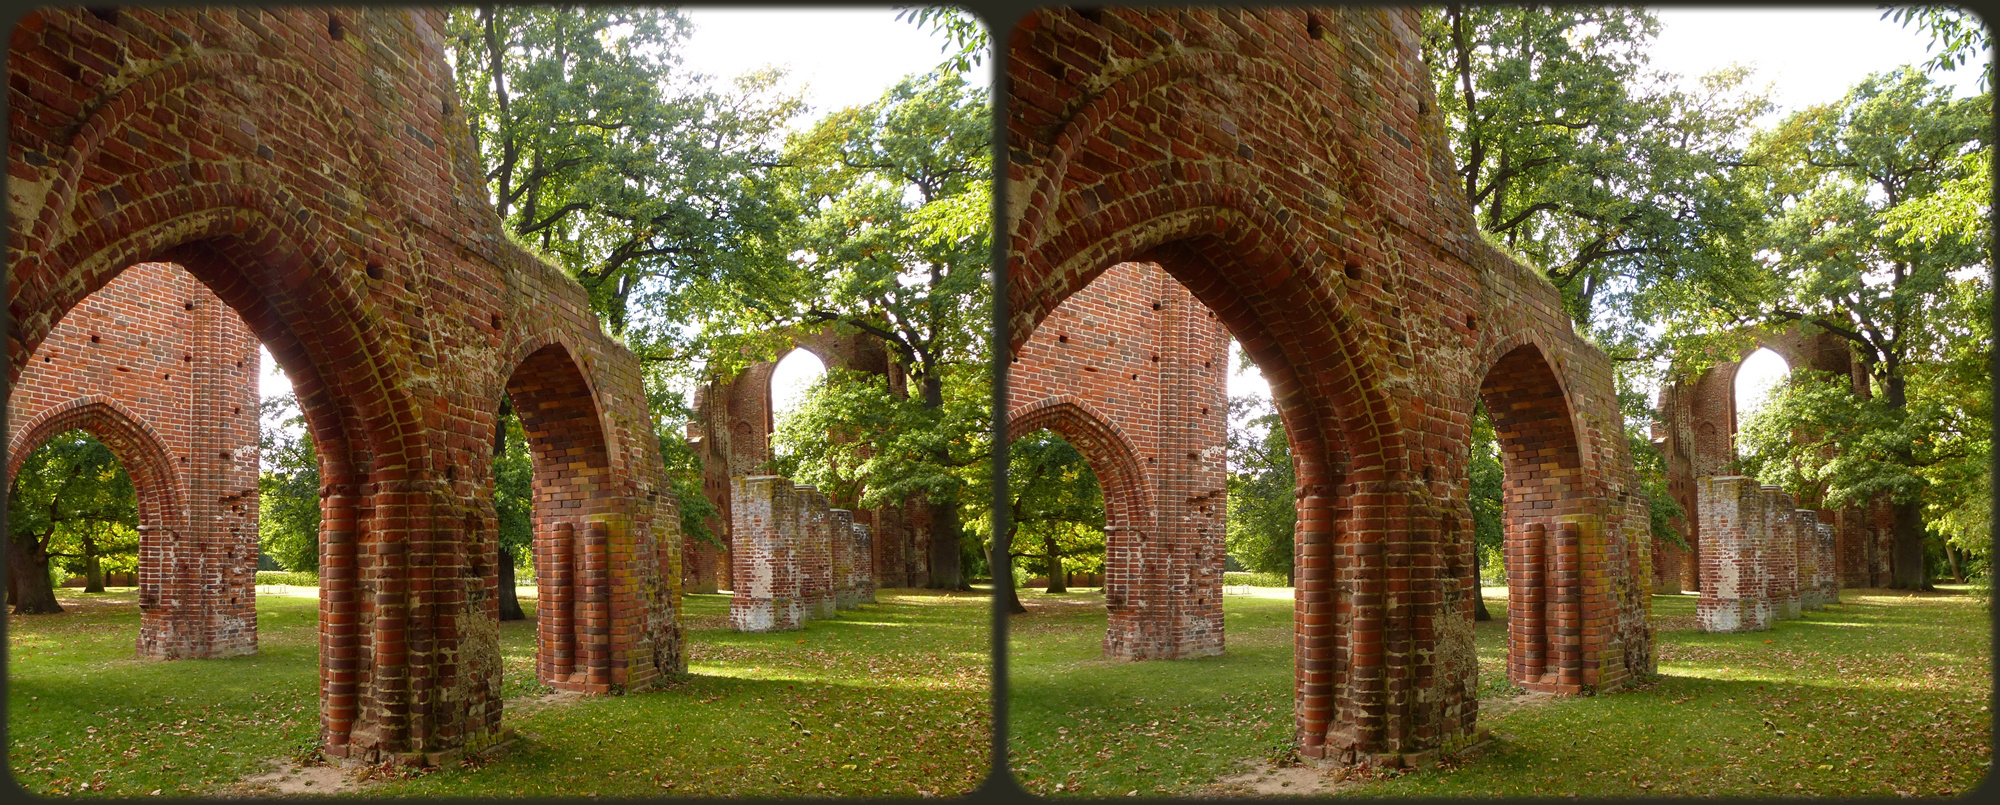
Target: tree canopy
[(71, 499)]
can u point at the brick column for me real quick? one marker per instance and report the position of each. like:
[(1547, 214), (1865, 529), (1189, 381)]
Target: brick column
[(816, 559), (594, 649), (1782, 556), (763, 527), (864, 578), (1805, 541), (1733, 594), (840, 532)]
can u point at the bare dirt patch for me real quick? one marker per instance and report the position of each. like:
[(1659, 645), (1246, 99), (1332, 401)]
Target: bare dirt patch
[(291, 779)]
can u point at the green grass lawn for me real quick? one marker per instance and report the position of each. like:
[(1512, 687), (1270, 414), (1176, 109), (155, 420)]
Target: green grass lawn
[(1885, 694), (889, 700)]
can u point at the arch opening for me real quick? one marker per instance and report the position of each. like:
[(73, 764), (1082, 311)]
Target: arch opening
[(571, 516), (1535, 435)]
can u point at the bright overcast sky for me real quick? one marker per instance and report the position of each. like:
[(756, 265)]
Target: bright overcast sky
[(839, 57), (1808, 56)]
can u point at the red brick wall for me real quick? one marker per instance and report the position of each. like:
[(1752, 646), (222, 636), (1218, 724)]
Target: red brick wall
[(1289, 168), (731, 430), (156, 367), (1697, 433), (311, 168), (1136, 352)]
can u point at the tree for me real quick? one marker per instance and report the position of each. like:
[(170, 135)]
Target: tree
[(68, 492), (513, 504), (642, 182), (1622, 190), (287, 487), (1957, 34), (1262, 488), (1055, 508), (896, 243), (1856, 246), (1489, 534)]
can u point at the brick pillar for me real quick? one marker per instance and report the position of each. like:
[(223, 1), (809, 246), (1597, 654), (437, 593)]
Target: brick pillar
[(1528, 593), (816, 559), (557, 587), (887, 552), (840, 531), (1733, 592), (1805, 539), (594, 649), (1781, 558), (1567, 627), (840, 543), (1827, 580), (1667, 559), (763, 528), (864, 578)]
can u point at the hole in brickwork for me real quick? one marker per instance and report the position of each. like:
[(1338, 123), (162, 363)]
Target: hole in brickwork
[(235, 409), (1204, 409), (1471, 322), (124, 368), (223, 454), (336, 28), (166, 375), (1353, 271), (94, 338), (1208, 364), (1314, 30), (46, 359), (1135, 375), (1090, 368), (189, 305), (1062, 339), (1156, 359), (496, 321), (1156, 305), (1094, 15), (105, 13), (374, 271), (1149, 460), (184, 459), (187, 359)]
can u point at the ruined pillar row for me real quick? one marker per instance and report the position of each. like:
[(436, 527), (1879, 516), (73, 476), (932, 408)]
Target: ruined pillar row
[(764, 533), (1734, 594), (1819, 574), (840, 530)]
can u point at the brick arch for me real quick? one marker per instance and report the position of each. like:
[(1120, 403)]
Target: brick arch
[(1131, 571), (572, 503), (1543, 467), (138, 447), (1355, 278)]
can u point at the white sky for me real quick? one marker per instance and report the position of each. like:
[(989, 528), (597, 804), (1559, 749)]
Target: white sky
[(841, 57), (1808, 56)]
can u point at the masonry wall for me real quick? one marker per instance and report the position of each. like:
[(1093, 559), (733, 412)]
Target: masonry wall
[(793, 555), (1137, 352), (158, 368), (731, 430), (311, 167), (1697, 434), (1289, 168)]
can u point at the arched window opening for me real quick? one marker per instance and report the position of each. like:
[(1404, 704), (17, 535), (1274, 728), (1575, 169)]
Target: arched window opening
[(794, 375), (73, 521), (1756, 378), (1056, 517)]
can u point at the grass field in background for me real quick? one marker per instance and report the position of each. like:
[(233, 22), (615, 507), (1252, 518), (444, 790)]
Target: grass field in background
[(1883, 695), (889, 700)]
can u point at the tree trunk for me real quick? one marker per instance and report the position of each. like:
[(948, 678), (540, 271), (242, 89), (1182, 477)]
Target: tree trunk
[(1479, 612), (1957, 573), (1906, 557), (1057, 584), (93, 570), (945, 570), (29, 581), (510, 603)]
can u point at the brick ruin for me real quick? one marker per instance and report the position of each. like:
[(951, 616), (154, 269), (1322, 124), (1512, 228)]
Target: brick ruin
[(1696, 433), (311, 168), (1765, 559), (161, 371), (1289, 168), (1133, 371), (793, 558), (731, 431)]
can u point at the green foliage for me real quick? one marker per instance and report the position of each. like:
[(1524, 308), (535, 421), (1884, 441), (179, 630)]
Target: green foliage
[(1957, 34), (288, 488), (854, 438), (961, 30), (1248, 578), (644, 182), (1057, 504), (513, 489), (1262, 488), (1619, 187), (287, 577), (1489, 535), (72, 500)]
